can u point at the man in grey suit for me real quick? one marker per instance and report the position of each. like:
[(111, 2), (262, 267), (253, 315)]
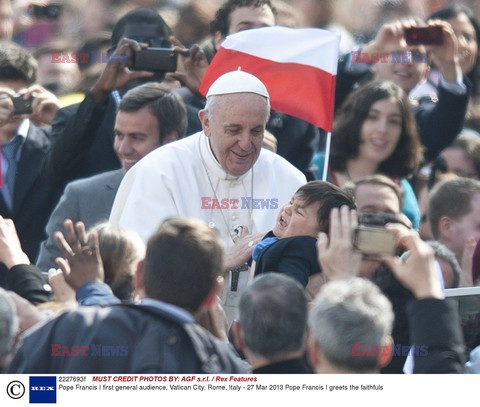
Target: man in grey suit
[(148, 117)]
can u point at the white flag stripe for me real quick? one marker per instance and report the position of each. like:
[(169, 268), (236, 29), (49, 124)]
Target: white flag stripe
[(289, 45)]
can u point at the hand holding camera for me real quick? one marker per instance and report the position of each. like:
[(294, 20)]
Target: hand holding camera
[(6, 105), (116, 73), (44, 105), (35, 103), (417, 272), (13, 104), (335, 252), (193, 65), (445, 55)]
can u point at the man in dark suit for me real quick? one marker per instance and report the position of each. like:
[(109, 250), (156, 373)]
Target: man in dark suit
[(272, 326), (148, 117), (93, 119), (160, 334), (34, 170)]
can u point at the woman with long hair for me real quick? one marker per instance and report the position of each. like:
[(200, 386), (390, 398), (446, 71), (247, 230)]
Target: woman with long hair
[(375, 133)]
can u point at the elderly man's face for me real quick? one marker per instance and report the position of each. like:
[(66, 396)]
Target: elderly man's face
[(235, 127)]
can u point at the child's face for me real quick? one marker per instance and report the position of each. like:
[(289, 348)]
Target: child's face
[(295, 219)]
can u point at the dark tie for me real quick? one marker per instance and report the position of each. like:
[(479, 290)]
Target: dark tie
[(9, 152)]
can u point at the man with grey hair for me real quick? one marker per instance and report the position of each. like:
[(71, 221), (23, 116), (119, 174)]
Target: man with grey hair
[(8, 328), (350, 319), (272, 326), (351, 324), (221, 175)]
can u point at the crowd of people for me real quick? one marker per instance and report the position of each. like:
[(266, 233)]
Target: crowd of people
[(169, 231)]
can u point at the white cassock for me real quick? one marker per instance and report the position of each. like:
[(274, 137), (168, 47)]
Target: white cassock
[(183, 178)]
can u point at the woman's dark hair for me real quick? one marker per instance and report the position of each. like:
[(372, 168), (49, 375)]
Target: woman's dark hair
[(346, 135), (455, 11)]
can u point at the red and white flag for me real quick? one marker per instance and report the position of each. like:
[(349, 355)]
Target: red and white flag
[(297, 65)]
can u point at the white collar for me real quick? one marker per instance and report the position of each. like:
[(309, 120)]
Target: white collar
[(23, 128), (212, 164)]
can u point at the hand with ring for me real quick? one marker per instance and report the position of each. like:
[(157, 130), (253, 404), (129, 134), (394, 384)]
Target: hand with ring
[(81, 262), (241, 251)]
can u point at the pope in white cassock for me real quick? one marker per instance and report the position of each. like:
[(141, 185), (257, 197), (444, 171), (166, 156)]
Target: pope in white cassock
[(221, 175)]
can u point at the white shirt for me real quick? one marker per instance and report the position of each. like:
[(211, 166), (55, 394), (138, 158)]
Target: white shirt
[(173, 179)]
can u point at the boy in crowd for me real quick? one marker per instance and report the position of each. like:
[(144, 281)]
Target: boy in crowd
[(290, 248)]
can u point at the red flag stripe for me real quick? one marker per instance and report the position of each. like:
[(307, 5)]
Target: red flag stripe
[(292, 87)]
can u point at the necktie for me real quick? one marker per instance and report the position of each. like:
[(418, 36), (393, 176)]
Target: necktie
[(9, 152)]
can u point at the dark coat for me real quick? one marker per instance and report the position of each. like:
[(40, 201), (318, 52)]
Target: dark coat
[(298, 366), (295, 257), (26, 281), (148, 340)]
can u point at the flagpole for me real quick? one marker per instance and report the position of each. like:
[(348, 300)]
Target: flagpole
[(327, 156)]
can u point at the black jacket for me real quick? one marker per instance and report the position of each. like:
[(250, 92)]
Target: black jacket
[(142, 339), (295, 257), (26, 281)]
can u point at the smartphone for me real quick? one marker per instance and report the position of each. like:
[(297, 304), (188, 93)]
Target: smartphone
[(374, 240), (424, 35), (155, 60), (50, 12), (20, 105)]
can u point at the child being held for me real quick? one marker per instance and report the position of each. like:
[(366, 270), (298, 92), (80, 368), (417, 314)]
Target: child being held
[(290, 248)]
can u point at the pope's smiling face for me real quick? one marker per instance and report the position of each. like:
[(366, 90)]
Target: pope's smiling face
[(235, 124)]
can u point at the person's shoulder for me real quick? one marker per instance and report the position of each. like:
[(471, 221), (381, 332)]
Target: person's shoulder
[(215, 356), (38, 136), (98, 180)]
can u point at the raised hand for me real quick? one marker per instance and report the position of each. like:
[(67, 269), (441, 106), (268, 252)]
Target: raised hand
[(81, 262)]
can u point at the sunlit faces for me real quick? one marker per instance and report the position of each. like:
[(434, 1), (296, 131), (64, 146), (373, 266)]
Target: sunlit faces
[(467, 41), (296, 219), (136, 135), (246, 18), (459, 162), (404, 74), (235, 127), (376, 198), (465, 228), (380, 131), (9, 129)]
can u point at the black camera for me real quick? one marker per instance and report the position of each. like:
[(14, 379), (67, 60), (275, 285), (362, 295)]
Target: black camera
[(21, 105), (154, 60), (370, 236), (50, 12)]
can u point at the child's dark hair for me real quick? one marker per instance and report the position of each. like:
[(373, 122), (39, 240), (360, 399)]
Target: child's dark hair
[(329, 196)]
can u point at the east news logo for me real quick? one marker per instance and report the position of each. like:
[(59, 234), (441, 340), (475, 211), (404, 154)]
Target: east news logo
[(43, 389)]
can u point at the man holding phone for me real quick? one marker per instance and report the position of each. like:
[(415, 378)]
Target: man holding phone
[(439, 120), (34, 166), (93, 119)]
